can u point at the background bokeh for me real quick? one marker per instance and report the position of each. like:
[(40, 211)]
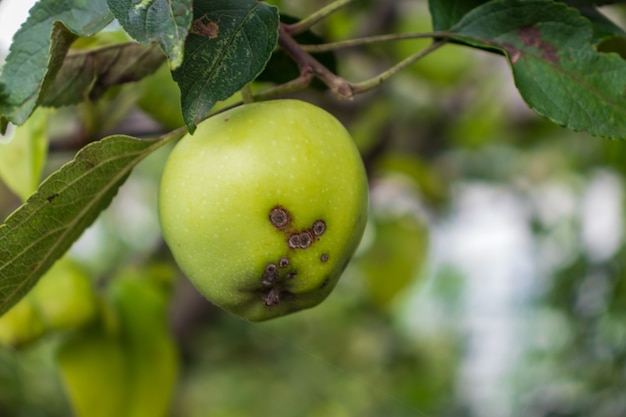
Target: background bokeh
[(490, 282)]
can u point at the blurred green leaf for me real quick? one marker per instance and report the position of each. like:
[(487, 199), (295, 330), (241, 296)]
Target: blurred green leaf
[(66, 203), (88, 74), (397, 254), (23, 157), (39, 47), (135, 343), (93, 364), (160, 98), (151, 352), (163, 21), (229, 43), (556, 69)]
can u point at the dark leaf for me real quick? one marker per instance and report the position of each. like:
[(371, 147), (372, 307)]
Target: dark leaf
[(88, 74), (228, 46)]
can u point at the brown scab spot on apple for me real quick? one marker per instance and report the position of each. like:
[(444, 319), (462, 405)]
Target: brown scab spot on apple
[(283, 263), (272, 297), (319, 227), (306, 238), (294, 241), (270, 275), (324, 257), (280, 217)]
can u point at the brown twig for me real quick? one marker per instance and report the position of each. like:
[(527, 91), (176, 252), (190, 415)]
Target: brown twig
[(310, 67)]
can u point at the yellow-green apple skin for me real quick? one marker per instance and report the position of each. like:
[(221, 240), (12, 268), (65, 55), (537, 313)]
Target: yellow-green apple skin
[(263, 206)]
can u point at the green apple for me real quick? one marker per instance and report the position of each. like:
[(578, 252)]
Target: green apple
[(263, 207), (63, 299)]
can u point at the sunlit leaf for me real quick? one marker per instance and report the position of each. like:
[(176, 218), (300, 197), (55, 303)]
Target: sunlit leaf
[(38, 49), (163, 21), (23, 155)]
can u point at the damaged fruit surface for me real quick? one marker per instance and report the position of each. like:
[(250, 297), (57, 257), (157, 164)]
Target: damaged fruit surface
[(263, 207)]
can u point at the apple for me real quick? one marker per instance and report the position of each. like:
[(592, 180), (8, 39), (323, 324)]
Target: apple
[(263, 207)]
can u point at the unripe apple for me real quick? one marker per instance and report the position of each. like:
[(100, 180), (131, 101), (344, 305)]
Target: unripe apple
[(263, 206)]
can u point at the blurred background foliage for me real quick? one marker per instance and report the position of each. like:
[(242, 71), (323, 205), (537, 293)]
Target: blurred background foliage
[(490, 281)]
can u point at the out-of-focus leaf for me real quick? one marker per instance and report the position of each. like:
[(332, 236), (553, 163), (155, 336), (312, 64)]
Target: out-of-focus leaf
[(93, 367), (40, 231), (229, 43), (22, 158), (38, 49), (150, 349), (556, 69), (88, 74), (163, 21), (392, 262), (603, 27), (160, 98), (135, 343)]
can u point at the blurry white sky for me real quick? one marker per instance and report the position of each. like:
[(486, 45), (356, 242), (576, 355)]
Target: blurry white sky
[(12, 14)]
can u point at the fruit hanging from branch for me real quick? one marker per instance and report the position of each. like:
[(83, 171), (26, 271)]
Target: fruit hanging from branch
[(263, 206)]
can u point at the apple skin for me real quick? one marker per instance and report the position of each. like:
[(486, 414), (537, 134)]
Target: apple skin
[(263, 207)]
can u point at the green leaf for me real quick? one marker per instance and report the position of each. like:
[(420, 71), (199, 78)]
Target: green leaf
[(93, 364), (163, 21), (39, 47), (556, 69), (88, 74), (395, 257), (228, 46), (446, 13), (40, 231), (603, 27), (152, 355), (23, 156), (126, 365)]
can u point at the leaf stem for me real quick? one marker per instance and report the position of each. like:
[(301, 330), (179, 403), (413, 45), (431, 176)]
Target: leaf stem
[(246, 94), (373, 82), (314, 18), (350, 43)]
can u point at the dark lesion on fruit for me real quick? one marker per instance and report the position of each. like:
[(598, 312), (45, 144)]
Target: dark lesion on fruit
[(276, 275), (274, 281), (272, 297), (280, 217), (319, 227), (270, 274)]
